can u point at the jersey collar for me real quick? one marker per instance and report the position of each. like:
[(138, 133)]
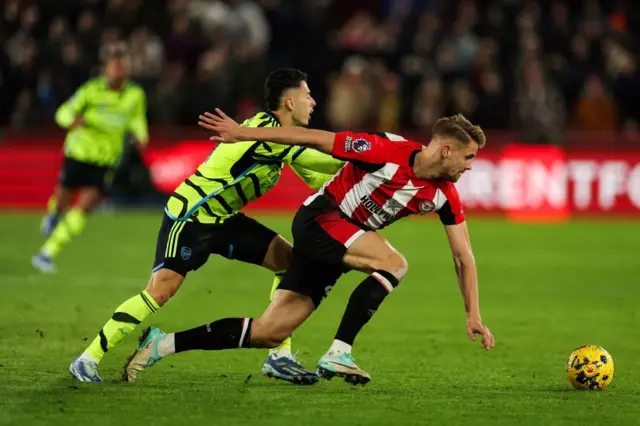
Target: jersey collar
[(109, 89), (274, 117)]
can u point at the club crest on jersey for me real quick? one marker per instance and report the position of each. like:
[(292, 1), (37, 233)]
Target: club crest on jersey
[(185, 252), (426, 206), (361, 145)]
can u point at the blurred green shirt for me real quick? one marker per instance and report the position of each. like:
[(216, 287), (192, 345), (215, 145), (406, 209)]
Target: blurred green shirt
[(108, 116)]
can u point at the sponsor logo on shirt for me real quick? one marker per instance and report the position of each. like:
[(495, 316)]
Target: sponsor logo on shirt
[(376, 209)]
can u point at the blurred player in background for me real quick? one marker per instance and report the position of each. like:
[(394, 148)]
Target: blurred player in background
[(99, 116), (202, 218), (386, 178)]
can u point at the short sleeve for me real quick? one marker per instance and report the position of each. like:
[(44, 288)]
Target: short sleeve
[(78, 101), (373, 148), (73, 107), (451, 211), (311, 159)]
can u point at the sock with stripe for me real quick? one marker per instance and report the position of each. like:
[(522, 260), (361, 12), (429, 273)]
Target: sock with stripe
[(284, 349), (363, 304), (124, 320), (71, 226), (227, 333)]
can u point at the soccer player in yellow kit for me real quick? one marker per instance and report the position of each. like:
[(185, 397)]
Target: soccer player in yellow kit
[(99, 116), (203, 217)]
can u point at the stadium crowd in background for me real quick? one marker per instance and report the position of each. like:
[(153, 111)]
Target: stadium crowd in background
[(540, 68)]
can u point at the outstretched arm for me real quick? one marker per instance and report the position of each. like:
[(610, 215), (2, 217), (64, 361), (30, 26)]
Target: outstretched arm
[(229, 131), (346, 146), (466, 271)]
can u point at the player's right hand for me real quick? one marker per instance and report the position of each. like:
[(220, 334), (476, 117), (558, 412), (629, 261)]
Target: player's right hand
[(475, 326), (227, 129)]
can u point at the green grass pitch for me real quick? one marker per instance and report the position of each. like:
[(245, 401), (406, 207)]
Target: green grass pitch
[(545, 290)]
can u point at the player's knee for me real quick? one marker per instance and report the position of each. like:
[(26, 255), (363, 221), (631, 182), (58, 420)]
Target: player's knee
[(402, 267), (394, 263), (285, 257), (163, 285), (88, 199), (279, 254)]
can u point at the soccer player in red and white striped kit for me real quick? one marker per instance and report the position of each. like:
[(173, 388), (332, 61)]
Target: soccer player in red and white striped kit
[(386, 177)]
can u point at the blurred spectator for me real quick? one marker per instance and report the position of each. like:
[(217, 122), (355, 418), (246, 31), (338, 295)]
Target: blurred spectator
[(58, 33), (46, 99), (540, 113), (24, 59), (29, 19), (211, 85), (351, 99), (596, 109), (559, 29), (89, 33), (169, 100), (462, 100), (465, 42), (493, 108), (183, 43), (10, 18), (623, 69), (25, 113), (429, 103), (386, 97), (72, 70), (358, 33), (147, 54), (249, 36)]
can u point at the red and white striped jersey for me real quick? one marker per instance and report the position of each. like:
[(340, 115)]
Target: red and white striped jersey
[(378, 185)]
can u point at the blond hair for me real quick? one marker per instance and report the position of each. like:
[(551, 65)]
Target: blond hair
[(460, 129)]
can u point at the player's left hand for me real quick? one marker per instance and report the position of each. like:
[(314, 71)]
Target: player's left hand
[(475, 326), (227, 129)]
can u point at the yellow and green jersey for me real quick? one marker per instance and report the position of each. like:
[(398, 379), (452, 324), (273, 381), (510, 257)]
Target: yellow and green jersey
[(236, 174), (108, 116)]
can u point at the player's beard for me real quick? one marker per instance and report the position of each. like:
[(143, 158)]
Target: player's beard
[(453, 177)]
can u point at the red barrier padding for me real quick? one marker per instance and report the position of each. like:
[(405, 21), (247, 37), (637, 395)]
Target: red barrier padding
[(521, 181)]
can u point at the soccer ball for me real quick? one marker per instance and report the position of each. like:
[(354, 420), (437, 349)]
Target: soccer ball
[(590, 367)]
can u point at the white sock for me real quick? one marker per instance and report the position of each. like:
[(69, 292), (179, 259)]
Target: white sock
[(167, 345), (339, 347), (86, 357), (279, 353)]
